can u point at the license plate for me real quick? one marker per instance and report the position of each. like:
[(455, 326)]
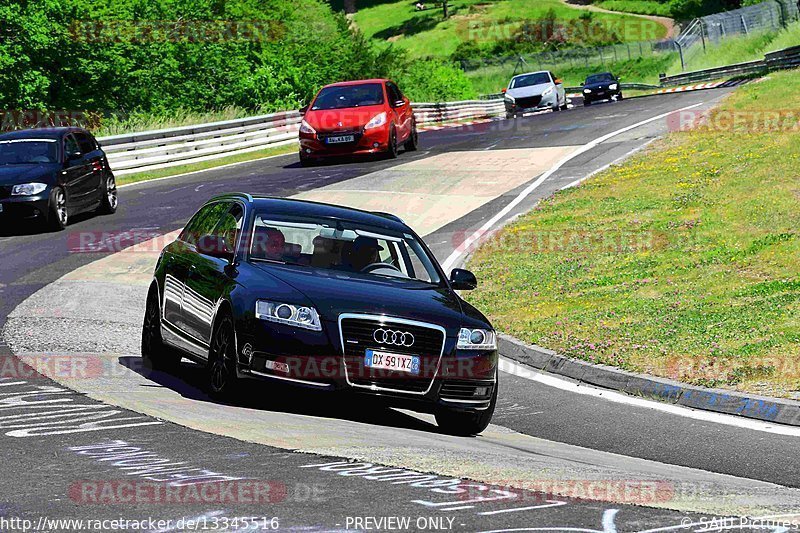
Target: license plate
[(340, 139), (391, 361)]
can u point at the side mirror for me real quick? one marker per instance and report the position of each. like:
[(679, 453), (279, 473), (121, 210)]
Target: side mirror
[(503, 90), (214, 246), (303, 110), (558, 81), (463, 280)]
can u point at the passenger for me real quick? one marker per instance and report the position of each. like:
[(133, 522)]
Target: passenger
[(268, 243)]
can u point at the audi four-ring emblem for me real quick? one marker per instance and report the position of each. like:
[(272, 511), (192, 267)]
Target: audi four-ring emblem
[(396, 337)]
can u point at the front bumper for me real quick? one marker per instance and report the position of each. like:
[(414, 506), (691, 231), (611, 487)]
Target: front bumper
[(597, 95), (366, 142), (25, 207), (521, 105), (462, 380)]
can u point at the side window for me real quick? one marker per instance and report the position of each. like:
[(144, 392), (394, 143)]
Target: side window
[(84, 143), (393, 92), (70, 146), (204, 222), (230, 226)]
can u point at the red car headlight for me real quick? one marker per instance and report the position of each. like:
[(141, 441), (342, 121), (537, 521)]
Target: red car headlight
[(376, 121), (305, 127)]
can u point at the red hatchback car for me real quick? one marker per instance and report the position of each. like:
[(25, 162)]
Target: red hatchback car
[(357, 117)]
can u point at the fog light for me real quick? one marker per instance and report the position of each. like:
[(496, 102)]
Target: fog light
[(308, 150), (481, 391), (375, 145)]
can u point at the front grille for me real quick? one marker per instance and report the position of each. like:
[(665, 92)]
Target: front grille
[(358, 336), (528, 101), (465, 390)]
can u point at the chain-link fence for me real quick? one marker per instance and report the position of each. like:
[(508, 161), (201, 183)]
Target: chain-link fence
[(712, 29)]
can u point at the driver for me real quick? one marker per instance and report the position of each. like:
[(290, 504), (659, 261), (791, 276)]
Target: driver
[(366, 251)]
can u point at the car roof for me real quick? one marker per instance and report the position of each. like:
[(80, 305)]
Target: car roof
[(300, 208), (39, 133), (357, 82)]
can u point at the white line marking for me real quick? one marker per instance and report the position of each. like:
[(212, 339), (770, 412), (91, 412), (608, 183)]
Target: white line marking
[(551, 503), (513, 368), (482, 231)]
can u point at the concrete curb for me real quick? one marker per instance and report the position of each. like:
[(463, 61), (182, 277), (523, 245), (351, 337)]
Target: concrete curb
[(726, 402)]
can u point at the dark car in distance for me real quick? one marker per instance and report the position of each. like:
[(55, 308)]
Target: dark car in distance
[(50, 174), (603, 86), (324, 297)]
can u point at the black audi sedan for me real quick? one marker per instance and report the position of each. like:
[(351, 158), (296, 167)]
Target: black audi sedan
[(603, 86), (324, 297), (50, 174)]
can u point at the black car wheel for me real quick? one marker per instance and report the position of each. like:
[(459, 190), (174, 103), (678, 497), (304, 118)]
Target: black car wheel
[(222, 361), (391, 151), (108, 201), (465, 424), (413, 140), (155, 354), (58, 217), (619, 96)]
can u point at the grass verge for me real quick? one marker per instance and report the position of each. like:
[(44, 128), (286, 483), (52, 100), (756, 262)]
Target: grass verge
[(681, 262), (205, 165)]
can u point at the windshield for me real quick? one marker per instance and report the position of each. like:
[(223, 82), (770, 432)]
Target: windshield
[(597, 78), (28, 151), (341, 97), (341, 246), (527, 80)]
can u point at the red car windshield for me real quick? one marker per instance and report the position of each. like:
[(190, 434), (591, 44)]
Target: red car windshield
[(344, 96)]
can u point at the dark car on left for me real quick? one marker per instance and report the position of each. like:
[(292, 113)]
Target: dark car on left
[(48, 175)]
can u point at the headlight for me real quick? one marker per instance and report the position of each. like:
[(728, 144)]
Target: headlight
[(476, 339), (300, 316), (548, 91), (28, 189), (613, 86), (305, 127), (377, 120), (587, 91)]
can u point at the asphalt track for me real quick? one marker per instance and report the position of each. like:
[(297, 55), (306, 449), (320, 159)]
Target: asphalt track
[(545, 432)]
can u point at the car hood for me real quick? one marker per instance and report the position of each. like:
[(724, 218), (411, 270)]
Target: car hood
[(533, 90), (353, 118), (15, 174), (333, 293)]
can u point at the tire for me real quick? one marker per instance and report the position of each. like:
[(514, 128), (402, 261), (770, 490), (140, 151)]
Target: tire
[(412, 143), (306, 161), (391, 151), (109, 201), (467, 424), (155, 354), (619, 97), (58, 214), (222, 378), (509, 116), (565, 106)]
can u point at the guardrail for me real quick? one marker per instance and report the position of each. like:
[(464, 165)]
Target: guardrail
[(778, 60), (152, 150), (740, 69)]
